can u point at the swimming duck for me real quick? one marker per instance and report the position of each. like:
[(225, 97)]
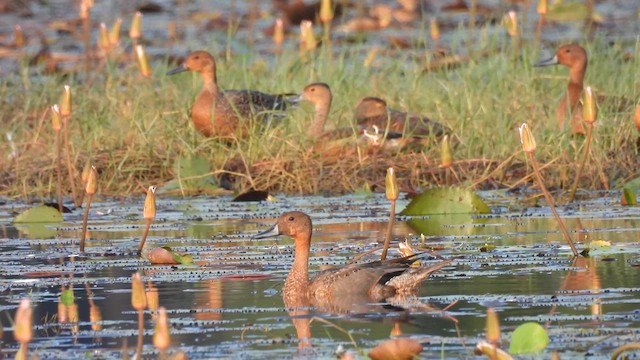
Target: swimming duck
[(373, 111), (346, 286), (575, 58), (224, 113)]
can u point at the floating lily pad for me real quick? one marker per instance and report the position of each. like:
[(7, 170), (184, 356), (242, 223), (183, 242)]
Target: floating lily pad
[(529, 337), (39, 214), (165, 255), (446, 201)]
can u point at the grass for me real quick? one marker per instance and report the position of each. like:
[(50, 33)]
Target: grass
[(133, 129)]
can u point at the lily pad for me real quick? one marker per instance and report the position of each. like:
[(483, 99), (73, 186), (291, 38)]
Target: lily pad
[(67, 298), (165, 255), (529, 337), (39, 214), (446, 201), (571, 11)]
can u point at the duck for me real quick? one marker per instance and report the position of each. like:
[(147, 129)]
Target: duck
[(347, 287), (575, 58), (297, 11), (373, 112), (223, 113), (319, 94)]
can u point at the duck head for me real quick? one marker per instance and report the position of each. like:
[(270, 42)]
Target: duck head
[(200, 61)]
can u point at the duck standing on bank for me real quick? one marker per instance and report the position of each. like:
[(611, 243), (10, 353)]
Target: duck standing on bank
[(575, 58), (374, 112), (225, 113)]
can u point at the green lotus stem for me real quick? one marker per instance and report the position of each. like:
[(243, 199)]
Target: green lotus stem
[(583, 160), (84, 222), (387, 236), (552, 206)]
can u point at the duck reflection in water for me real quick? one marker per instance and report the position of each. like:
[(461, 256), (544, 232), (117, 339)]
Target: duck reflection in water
[(374, 287)]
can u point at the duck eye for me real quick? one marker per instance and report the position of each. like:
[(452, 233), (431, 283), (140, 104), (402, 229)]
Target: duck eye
[(290, 218), (197, 57)]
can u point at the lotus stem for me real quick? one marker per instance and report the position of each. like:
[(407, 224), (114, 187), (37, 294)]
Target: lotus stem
[(92, 184), (542, 12), (529, 146), (392, 192), (552, 206), (583, 160), (589, 115), (56, 124), (149, 213)]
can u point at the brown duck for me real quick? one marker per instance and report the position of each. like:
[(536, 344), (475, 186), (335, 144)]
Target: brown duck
[(345, 287), (575, 58), (224, 113), (373, 111)]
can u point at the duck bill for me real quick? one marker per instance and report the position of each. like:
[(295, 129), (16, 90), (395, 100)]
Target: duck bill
[(177, 69), (268, 233), (551, 61), (296, 99)]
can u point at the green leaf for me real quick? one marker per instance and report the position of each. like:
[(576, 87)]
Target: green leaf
[(192, 174), (528, 338), (183, 259), (364, 191), (630, 197), (571, 11), (446, 201), (39, 214), (67, 298)]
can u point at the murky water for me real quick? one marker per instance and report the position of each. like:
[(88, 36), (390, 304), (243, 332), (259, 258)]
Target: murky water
[(230, 305)]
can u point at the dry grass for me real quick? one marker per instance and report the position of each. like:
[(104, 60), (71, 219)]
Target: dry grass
[(133, 129)]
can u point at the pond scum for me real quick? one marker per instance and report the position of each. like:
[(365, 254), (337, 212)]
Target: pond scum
[(118, 117)]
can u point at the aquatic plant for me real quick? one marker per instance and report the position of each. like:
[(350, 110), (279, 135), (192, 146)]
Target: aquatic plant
[(589, 115), (148, 213), (392, 192), (90, 189), (529, 146)]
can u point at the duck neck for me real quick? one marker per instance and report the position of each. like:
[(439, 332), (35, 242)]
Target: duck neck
[(576, 78), (298, 278), (210, 81), (319, 119)]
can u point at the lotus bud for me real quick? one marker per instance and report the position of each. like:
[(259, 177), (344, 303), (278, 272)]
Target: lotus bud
[(278, 32), (65, 102), (138, 296), (307, 38), (23, 328), (446, 158), (371, 56), (636, 118), (510, 22), (136, 26), (526, 139), (391, 185), (589, 106), (92, 181), (493, 327), (114, 34), (18, 37), (103, 41), (161, 338), (326, 11), (56, 120), (149, 211), (86, 170), (434, 28), (542, 7), (143, 62)]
